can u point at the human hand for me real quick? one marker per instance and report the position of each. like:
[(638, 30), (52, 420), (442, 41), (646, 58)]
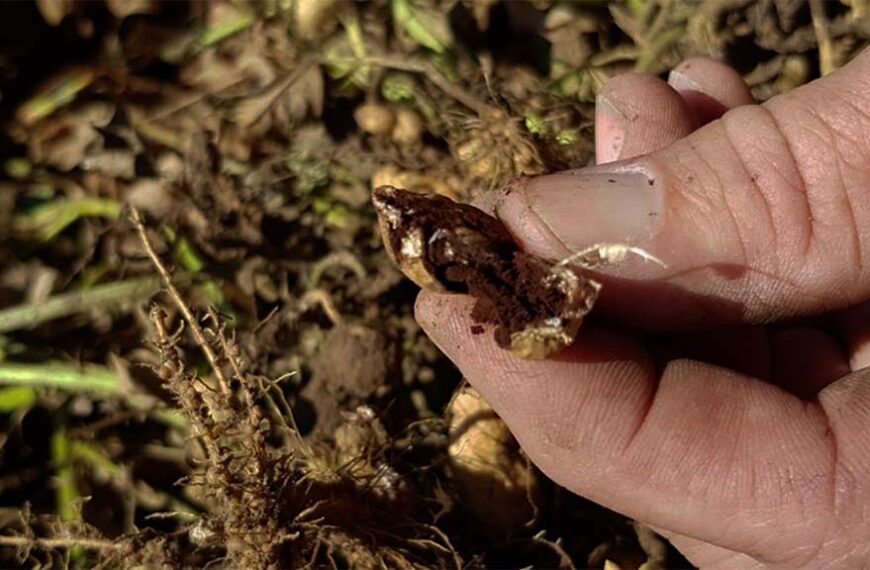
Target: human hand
[(746, 443)]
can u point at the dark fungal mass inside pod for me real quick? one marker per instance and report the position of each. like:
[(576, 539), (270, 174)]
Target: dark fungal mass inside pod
[(536, 305)]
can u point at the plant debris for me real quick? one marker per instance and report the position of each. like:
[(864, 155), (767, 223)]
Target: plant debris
[(234, 376), (536, 305)]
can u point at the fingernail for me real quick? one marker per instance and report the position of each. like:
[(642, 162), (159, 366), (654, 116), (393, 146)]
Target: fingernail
[(610, 126), (682, 82), (581, 208)]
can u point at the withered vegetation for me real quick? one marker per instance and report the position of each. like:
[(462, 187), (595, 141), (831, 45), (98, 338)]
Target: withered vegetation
[(207, 358)]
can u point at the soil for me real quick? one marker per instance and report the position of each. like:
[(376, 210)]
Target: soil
[(207, 356), (355, 365)]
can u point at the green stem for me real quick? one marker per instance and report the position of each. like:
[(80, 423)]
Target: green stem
[(66, 493), (65, 304), (56, 375), (82, 378)]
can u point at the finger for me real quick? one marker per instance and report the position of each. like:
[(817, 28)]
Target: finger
[(806, 360), (704, 555), (636, 114), (709, 88), (846, 404), (686, 451), (759, 215)]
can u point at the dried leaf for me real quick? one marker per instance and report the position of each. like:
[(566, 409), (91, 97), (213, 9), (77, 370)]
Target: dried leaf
[(308, 96), (252, 109), (117, 163), (123, 8), (63, 143), (480, 10), (150, 195)]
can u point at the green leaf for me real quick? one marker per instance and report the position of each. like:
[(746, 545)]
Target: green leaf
[(398, 88), (60, 94), (95, 459), (219, 33), (18, 168), (16, 398), (357, 42), (535, 124), (568, 137), (427, 28), (184, 252), (49, 220)]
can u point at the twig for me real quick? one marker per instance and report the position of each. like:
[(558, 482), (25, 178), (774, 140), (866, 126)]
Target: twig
[(265, 320), (188, 399), (341, 258), (30, 315), (181, 305), (324, 299), (250, 110), (183, 102), (431, 73), (827, 59), (565, 560)]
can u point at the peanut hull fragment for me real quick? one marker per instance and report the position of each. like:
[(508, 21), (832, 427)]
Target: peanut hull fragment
[(535, 305)]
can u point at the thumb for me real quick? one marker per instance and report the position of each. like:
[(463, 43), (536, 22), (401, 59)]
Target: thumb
[(762, 214)]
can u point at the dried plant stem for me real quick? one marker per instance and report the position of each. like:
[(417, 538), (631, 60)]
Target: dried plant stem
[(324, 299), (827, 57), (431, 73), (192, 322), (188, 402), (343, 258)]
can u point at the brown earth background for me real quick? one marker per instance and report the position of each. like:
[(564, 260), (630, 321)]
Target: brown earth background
[(206, 357)]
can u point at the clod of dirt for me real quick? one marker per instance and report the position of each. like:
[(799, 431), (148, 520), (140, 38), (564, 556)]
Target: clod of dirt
[(536, 305), (351, 367), (498, 484), (353, 361)]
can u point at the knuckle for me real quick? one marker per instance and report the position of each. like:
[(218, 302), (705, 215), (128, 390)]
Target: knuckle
[(795, 166)]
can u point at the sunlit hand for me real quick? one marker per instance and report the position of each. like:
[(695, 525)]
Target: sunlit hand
[(746, 441)]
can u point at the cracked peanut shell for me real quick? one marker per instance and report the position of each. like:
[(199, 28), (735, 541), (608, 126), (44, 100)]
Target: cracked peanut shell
[(536, 306)]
